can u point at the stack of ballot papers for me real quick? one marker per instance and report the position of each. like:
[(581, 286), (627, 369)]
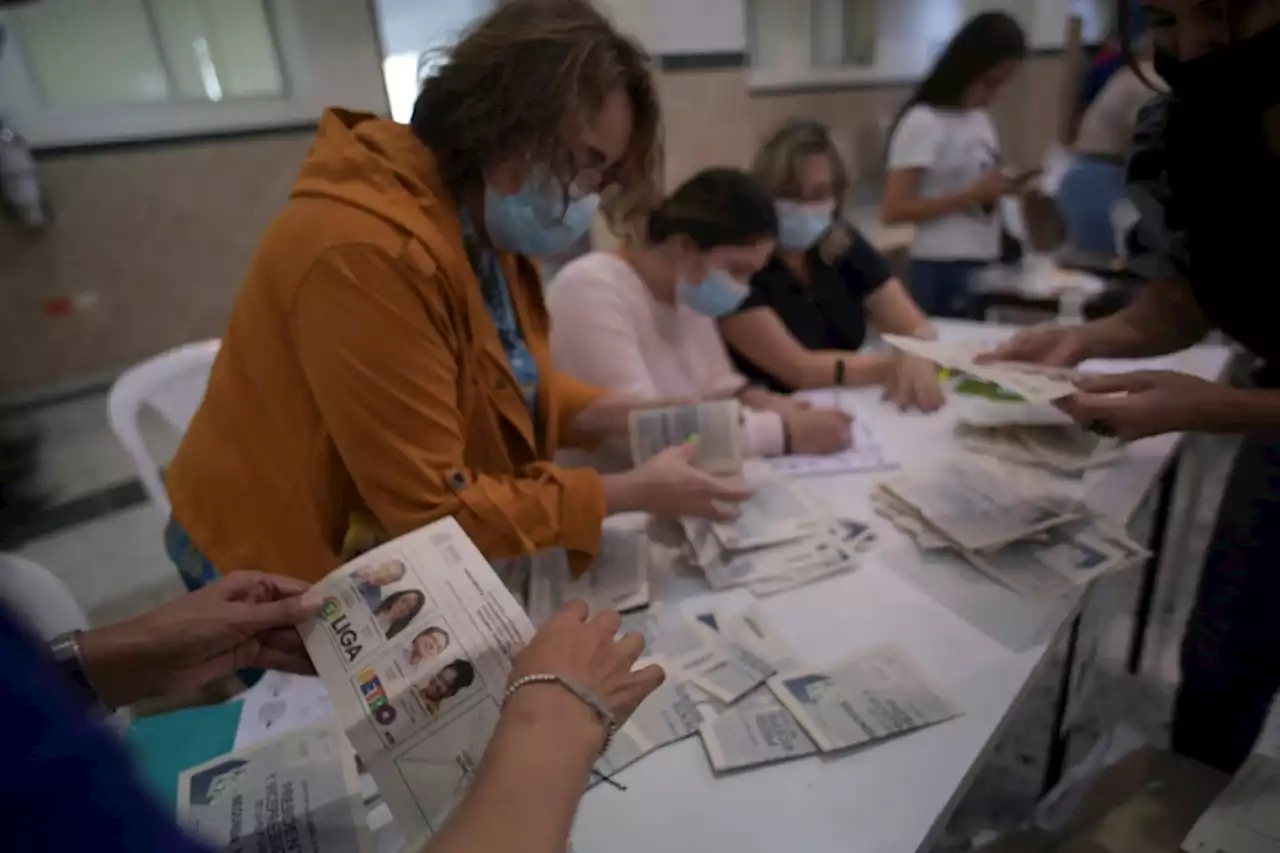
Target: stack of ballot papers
[(736, 684), (780, 540), (1031, 382), (1008, 523), (1063, 449)]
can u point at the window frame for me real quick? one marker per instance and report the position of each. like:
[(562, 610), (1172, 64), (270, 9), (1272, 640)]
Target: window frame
[(317, 69)]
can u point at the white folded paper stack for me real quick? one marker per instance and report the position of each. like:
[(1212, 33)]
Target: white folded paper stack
[(735, 682), (781, 540), (1062, 448), (1009, 523)]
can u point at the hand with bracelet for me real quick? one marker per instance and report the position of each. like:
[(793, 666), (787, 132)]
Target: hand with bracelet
[(551, 733)]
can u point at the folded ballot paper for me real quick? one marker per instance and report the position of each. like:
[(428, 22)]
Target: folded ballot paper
[(781, 539), (1032, 382), (1007, 523), (716, 424), (1063, 449), (297, 792)]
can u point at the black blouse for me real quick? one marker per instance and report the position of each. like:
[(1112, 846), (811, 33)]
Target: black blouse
[(828, 313)]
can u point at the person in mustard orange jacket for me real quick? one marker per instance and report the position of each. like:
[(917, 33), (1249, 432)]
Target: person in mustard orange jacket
[(388, 352)]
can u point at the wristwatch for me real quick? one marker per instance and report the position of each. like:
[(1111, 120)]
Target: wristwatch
[(65, 650)]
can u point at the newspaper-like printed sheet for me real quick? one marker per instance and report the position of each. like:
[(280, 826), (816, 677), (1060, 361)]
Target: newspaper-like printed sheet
[(875, 695), (1033, 383), (1065, 557), (1063, 449), (414, 642), (758, 729), (717, 424), (617, 580), (704, 658), (776, 512), (667, 715), (298, 792), (280, 703), (980, 505), (1245, 818)]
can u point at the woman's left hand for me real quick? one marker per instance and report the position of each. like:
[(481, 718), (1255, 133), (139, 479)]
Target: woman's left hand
[(245, 620), (1130, 406), (913, 384)]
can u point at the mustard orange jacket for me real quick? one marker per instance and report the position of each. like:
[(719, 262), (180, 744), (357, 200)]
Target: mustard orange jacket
[(361, 372)]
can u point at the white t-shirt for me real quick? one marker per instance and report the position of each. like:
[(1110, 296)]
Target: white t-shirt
[(609, 330), (954, 148)]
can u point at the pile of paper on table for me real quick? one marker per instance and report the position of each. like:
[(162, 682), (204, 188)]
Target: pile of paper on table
[(1040, 436), (737, 684), (1009, 523), (780, 540), (1032, 383)]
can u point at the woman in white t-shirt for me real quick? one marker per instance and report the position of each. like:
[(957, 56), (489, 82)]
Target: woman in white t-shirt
[(642, 321), (945, 171)]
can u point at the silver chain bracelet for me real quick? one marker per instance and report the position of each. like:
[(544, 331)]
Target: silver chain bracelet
[(584, 695)]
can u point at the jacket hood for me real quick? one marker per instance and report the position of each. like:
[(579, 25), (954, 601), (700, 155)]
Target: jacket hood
[(376, 165)]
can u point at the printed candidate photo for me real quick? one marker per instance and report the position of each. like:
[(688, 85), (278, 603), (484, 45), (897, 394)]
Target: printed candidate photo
[(426, 645), (452, 679)]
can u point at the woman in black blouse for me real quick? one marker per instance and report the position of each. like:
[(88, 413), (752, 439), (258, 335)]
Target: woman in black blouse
[(1205, 175), (807, 314)]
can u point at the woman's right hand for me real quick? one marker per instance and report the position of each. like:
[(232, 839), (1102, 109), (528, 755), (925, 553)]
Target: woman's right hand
[(669, 485), (992, 187), (818, 431), (587, 652), (1054, 346)]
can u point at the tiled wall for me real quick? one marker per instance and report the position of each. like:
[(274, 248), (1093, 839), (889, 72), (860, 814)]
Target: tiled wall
[(162, 236)]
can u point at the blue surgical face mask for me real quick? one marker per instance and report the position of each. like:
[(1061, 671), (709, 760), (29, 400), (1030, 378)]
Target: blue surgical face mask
[(715, 296), (800, 225), (535, 220)]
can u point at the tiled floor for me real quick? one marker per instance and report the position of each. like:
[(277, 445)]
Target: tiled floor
[(115, 564)]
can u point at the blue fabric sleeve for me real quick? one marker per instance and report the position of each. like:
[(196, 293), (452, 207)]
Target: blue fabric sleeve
[(68, 783)]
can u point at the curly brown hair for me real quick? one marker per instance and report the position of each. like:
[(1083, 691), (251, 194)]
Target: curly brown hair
[(529, 77)]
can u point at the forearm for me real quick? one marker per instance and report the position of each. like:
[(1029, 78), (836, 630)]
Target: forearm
[(116, 664), (610, 416), (1162, 318), (763, 400), (1251, 411), (531, 779), (912, 211)]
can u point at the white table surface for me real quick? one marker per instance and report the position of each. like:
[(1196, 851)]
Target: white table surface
[(892, 796)]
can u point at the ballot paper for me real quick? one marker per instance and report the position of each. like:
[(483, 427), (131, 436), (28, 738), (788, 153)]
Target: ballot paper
[(1065, 557), (667, 715), (1245, 818), (298, 792), (716, 424), (1064, 449), (865, 453), (982, 412), (768, 570), (980, 505), (738, 739), (617, 580), (907, 519), (776, 512), (281, 702), (414, 642), (875, 695), (704, 658), (1033, 383)]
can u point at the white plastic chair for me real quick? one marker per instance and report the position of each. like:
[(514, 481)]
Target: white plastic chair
[(173, 384)]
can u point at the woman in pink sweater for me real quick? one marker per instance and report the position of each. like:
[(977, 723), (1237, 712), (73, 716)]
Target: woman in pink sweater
[(642, 322)]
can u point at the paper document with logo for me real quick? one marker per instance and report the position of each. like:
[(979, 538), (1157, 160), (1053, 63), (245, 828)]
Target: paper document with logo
[(1032, 382), (981, 505), (1245, 818), (667, 715), (617, 580), (706, 660), (776, 512), (1063, 449), (1060, 559), (875, 695), (415, 641), (758, 729), (716, 423), (297, 792)]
